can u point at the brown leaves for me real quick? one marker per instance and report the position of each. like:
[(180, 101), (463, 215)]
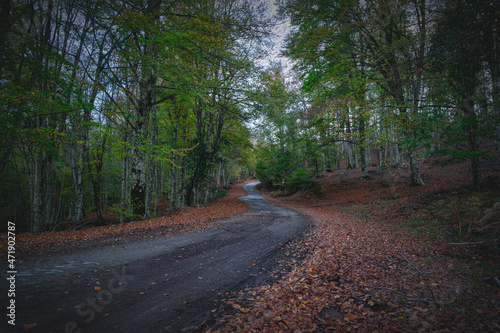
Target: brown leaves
[(356, 280), (350, 317), (188, 219), (30, 325)]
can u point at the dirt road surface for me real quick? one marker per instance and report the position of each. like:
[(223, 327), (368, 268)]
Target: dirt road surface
[(155, 284)]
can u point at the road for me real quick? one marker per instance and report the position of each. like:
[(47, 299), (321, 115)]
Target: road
[(161, 284)]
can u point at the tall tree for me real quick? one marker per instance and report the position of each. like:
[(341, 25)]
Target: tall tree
[(378, 38), (460, 56), (87, 87)]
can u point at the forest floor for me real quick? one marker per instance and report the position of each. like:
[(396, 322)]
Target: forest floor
[(187, 219), (383, 257), (151, 279)]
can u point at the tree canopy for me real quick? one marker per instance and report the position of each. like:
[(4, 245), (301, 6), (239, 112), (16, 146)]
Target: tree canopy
[(141, 107)]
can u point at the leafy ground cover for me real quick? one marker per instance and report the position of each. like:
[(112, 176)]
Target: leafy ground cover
[(383, 257), (187, 219)]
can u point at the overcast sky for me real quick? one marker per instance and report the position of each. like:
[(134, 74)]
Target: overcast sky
[(280, 31)]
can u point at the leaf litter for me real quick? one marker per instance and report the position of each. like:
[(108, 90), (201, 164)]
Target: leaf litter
[(187, 219), (368, 272), (364, 272)]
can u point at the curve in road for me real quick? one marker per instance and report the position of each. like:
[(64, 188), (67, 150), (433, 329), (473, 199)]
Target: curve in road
[(171, 283)]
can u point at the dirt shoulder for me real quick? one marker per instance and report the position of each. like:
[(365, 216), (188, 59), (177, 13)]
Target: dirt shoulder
[(187, 219)]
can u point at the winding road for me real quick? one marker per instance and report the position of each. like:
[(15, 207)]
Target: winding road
[(163, 284)]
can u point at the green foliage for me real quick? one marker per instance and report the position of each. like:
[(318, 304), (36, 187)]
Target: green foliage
[(285, 175), (124, 211), (274, 172), (163, 82), (460, 45), (301, 180), (221, 194)]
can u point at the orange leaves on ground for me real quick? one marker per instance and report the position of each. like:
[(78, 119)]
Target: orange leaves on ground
[(30, 325), (188, 219), (350, 317), (355, 278)]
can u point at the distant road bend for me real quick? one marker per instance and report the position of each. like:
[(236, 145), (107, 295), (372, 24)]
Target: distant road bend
[(163, 284)]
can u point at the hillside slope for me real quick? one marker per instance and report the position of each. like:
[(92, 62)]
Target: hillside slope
[(384, 257)]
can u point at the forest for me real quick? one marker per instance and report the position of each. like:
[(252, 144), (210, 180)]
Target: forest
[(142, 107)]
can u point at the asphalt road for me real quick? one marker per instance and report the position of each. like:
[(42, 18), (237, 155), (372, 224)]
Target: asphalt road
[(161, 284)]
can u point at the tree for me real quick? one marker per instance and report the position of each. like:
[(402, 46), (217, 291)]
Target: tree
[(460, 54), (43, 94), (370, 40), (280, 146), (87, 87)]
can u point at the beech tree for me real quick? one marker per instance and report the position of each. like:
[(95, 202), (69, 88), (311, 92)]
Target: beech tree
[(87, 87), (283, 154), (44, 90), (378, 38), (463, 56)]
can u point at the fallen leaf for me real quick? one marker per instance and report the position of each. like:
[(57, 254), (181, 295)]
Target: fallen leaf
[(350, 317), (30, 325)]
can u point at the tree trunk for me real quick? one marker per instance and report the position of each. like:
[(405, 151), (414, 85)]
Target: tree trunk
[(219, 169), (37, 204), (137, 173), (351, 163), (125, 180), (49, 191), (398, 155), (172, 180), (421, 10), (494, 65), (97, 162), (138, 183), (416, 176), (362, 147), (476, 172), (77, 183), (152, 164)]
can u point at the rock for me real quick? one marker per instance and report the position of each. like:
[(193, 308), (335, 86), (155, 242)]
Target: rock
[(490, 216), (495, 280), (407, 207)]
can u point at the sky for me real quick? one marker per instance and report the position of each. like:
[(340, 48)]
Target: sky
[(280, 31)]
